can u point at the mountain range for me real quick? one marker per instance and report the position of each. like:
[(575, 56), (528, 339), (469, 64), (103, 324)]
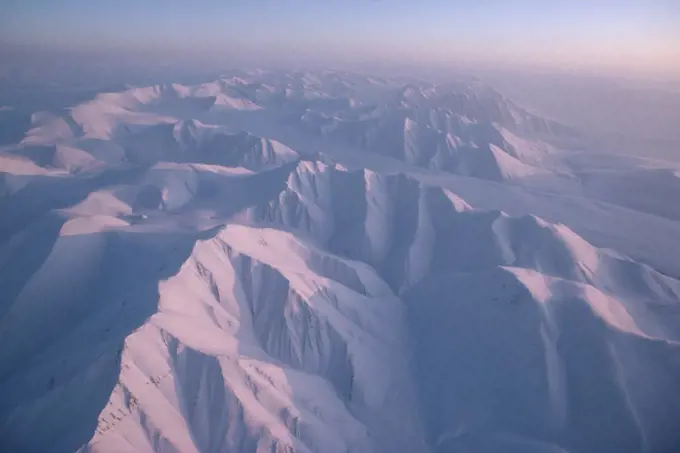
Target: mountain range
[(322, 262)]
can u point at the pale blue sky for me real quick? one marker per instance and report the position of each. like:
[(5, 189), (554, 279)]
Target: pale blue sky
[(586, 32)]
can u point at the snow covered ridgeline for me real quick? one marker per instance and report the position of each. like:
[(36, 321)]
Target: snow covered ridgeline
[(249, 347), (172, 283), (527, 337), (271, 354)]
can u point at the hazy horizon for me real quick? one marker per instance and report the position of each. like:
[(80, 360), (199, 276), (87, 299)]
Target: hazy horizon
[(634, 36)]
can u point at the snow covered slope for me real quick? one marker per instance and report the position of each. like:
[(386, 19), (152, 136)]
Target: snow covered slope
[(328, 262)]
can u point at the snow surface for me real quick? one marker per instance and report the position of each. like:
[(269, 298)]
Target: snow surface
[(328, 262)]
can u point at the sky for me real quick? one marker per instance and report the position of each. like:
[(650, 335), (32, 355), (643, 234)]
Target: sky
[(625, 34)]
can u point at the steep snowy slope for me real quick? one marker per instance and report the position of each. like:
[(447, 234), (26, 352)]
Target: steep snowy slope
[(599, 383), (272, 356), (328, 262)]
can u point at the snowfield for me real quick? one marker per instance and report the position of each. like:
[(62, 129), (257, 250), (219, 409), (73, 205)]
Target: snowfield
[(332, 263)]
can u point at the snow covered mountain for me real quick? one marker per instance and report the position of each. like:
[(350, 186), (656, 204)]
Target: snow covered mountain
[(328, 262)]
